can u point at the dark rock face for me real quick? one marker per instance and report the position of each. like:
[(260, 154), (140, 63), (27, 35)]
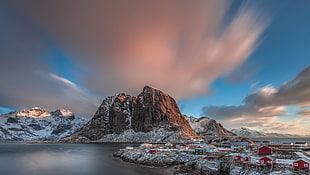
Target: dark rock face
[(36, 127), (12, 120), (151, 109), (61, 129), (120, 113)]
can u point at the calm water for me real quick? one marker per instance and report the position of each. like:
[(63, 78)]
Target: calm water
[(67, 159)]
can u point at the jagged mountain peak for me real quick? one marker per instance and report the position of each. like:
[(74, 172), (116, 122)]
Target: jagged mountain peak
[(151, 112), (35, 112), (148, 88), (250, 133), (205, 127), (38, 112), (63, 112), (246, 132)]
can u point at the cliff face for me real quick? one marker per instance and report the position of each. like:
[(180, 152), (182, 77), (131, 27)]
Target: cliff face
[(151, 116)]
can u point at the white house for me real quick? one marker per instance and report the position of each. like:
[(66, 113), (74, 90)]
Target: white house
[(301, 144), (239, 145)]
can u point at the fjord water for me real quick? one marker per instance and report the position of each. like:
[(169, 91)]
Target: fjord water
[(67, 159)]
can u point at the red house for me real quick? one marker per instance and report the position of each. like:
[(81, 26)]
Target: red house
[(153, 151), (237, 158), (265, 150), (267, 161), (301, 164), (244, 158)]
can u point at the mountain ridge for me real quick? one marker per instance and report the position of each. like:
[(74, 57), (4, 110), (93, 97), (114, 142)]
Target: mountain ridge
[(38, 124), (249, 133), (205, 127)]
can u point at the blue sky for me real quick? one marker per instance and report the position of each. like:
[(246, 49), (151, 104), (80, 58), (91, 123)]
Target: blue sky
[(283, 53), (208, 55)]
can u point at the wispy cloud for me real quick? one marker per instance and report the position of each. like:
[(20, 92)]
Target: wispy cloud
[(63, 80), (305, 113), (180, 47), (74, 92), (263, 108)]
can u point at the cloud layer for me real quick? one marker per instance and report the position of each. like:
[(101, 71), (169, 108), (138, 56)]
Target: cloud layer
[(178, 46), (261, 109), (305, 113)]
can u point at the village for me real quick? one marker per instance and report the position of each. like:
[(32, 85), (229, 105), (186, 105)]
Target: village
[(255, 155)]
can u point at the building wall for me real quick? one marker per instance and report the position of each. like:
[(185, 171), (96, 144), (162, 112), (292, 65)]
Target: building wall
[(264, 150)]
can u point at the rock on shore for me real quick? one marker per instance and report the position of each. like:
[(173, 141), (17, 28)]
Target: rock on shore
[(194, 164)]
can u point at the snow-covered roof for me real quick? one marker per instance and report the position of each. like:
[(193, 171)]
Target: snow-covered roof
[(240, 143)]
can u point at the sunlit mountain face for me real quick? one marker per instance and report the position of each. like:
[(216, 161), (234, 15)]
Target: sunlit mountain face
[(244, 64)]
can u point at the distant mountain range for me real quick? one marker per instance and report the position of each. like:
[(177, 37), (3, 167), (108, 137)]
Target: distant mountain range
[(152, 116), (245, 132), (38, 124), (206, 127)]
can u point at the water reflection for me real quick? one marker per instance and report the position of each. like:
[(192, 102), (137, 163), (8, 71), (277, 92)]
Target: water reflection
[(65, 159)]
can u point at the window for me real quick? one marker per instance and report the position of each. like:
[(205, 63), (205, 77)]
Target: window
[(295, 164), (305, 165)]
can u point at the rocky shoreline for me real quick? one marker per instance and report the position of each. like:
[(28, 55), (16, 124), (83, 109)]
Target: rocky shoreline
[(181, 163), (184, 163)]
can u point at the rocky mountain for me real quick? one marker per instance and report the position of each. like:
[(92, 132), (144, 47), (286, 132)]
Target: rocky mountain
[(245, 132), (206, 127), (249, 133), (37, 124), (152, 116)]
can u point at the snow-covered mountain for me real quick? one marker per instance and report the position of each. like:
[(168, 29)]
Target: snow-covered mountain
[(37, 124), (245, 132), (152, 116), (249, 133), (205, 127)]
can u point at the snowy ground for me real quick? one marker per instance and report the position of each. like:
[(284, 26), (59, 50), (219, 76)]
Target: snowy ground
[(241, 171)]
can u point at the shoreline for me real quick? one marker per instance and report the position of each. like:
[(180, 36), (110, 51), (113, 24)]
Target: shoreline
[(179, 163), (176, 163), (168, 170)]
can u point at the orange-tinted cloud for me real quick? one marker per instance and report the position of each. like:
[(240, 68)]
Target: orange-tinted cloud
[(264, 108), (178, 46)]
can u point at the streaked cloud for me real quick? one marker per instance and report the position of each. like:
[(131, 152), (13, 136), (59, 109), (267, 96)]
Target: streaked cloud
[(293, 92), (305, 113), (180, 47), (264, 108), (75, 93), (242, 73), (116, 46), (63, 80)]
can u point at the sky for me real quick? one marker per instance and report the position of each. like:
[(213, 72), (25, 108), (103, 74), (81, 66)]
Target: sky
[(242, 63)]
